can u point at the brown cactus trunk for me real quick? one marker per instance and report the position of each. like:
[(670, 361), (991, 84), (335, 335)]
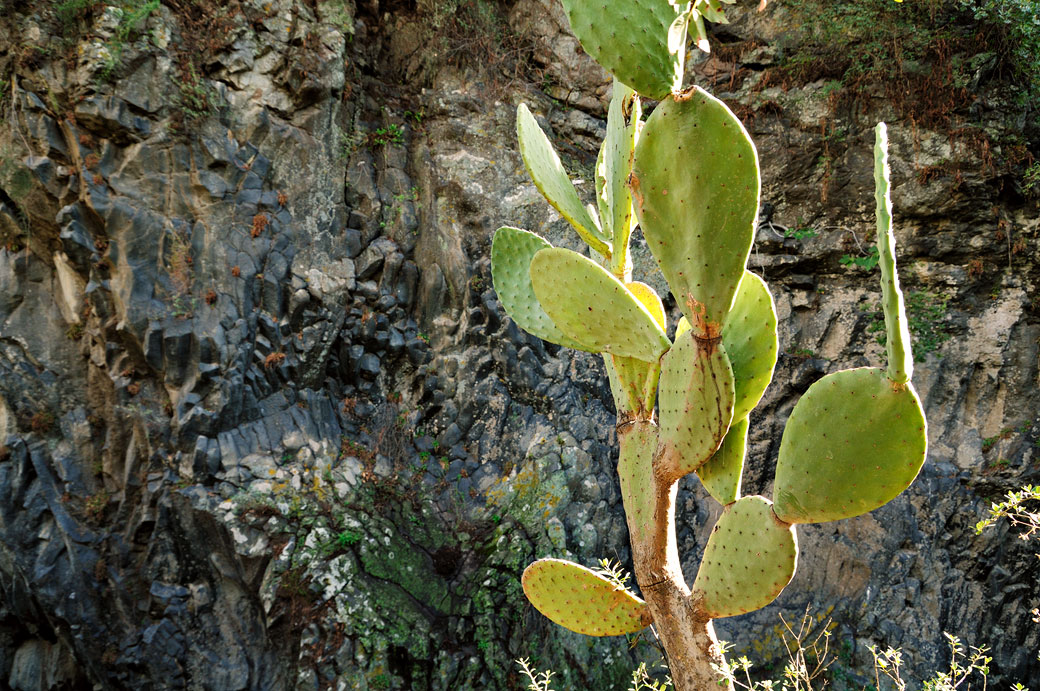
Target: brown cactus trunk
[(681, 624)]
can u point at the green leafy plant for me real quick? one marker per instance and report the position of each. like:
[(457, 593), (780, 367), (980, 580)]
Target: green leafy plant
[(689, 177), (801, 231), (392, 134), (867, 262)]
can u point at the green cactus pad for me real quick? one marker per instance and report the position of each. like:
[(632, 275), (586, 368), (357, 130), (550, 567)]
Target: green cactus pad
[(853, 442), (695, 185), (750, 558), (635, 472), (751, 343), (633, 383), (612, 171), (551, 179), (642, 42), (900, 357), (511, 253), (581, 600), (720, 475), (695, 402), (593, 307)]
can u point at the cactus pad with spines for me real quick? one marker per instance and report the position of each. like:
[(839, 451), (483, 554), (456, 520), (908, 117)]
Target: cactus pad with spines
[(897, 328), (695, 185), (751, 343), (612, 170), (549, 176), (593, 307), (853, 442), (749, 560), (695, 401), (581, 600), (643, 42), (511, 253), (635, 465), (720, 475)]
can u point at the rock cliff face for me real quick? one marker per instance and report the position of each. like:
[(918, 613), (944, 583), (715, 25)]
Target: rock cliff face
[(267, 426)]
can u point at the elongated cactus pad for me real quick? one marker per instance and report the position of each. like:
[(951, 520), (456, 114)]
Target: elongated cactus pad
[(612, 171), (546, 170), (511, 253), (749, 560), (642, 42), (695, 402), (900, 357), (751, 343), (633, 383), (720, 475), (853, 442), (695, 185), (581, 600), (638, 442), (594, 308)]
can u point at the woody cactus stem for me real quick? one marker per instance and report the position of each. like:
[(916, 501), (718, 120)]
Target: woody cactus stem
[(689, 175)]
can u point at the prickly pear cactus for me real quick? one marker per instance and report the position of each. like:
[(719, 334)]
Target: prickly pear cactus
[(855, 440)]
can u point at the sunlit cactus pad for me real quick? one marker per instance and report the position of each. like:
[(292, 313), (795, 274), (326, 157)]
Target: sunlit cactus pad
[(749, 559), (581, 600), (511, 253), (593, 307), (720, 475), (643, 42), (695, 401), (853, 442), (549, 176), (751, 342), (695, 185)]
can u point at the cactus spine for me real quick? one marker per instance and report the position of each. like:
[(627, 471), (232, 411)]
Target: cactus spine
[(690, 174)]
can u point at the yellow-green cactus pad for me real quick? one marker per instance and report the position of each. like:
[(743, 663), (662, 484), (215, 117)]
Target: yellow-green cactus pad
[(612, 170), (720, 475), (751, 343), (853, 442), (750, 558), (593, 307), (549, 176), (695, 185), (511, 253), (638, 444), (695, 401), (581, 600), (634, 382), (642, 42)]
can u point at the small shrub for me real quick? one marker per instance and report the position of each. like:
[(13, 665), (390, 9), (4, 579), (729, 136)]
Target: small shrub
[(866, 262), (260, 222), (42, 422), (95, 505)]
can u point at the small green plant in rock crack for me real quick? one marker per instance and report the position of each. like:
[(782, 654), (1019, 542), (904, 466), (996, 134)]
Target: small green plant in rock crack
[(801, 231), (868, 262), (384, 136), (1031, 180)]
